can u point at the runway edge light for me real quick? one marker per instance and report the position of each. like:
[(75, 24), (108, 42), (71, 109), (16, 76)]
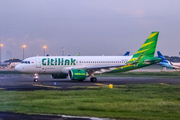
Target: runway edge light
[(111, 86)]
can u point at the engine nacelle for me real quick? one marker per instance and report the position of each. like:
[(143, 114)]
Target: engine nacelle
[(77, 74), (59, 76)]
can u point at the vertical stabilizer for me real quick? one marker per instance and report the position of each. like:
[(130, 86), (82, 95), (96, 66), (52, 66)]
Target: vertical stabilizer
[(162, 57), (144, 56), (127, 53), (148, 48)]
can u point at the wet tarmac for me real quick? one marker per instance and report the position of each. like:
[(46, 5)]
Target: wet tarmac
[(14, 116), (24, 82)]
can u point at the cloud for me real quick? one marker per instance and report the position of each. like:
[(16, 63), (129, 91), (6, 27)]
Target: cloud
[(37, 43), (117, 7), (25, 37), (11, 41)]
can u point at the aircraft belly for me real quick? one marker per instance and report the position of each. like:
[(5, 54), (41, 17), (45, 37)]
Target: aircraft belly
[(176, 67)]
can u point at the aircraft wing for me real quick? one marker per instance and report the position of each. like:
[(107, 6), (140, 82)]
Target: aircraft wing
[(103, 67), (92, 69)]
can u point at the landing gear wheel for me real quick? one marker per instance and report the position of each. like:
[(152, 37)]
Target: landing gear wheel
[(35, 77), (93, 79), (35, 80)]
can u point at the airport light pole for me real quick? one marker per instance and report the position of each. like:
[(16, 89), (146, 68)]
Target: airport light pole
[(0, 51), (44, 47), (63, 51), (23, 50)]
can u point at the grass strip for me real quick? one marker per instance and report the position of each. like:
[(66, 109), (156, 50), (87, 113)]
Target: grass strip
[(144, 102)]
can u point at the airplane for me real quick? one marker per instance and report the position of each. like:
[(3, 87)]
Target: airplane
[(80, 67), (127, 53), (166, 63)]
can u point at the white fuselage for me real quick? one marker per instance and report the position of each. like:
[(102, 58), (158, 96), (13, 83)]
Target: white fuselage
[(170, 65), (175, 65), (62, 64)]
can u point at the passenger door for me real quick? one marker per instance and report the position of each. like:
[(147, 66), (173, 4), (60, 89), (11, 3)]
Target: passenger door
[(38, 63)]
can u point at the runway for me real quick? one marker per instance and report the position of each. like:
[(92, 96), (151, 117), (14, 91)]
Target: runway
[(24, 82)]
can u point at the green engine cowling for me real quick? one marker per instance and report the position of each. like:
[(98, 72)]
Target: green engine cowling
[(77, 74), (59, 76)]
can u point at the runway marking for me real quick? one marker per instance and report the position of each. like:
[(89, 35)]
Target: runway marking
[(45, 86), (101, 84)]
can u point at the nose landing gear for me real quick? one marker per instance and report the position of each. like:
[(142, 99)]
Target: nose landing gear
[(35, 77)]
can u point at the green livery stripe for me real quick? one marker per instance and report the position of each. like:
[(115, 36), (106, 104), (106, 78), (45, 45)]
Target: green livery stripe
[(146, 44), (141, 51), (148, 48), (153, 34)]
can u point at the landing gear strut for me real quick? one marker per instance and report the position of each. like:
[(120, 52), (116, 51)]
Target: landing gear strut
[(35, 77), (93, 79)]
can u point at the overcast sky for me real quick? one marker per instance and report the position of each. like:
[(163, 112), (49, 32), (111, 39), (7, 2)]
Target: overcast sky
[(91, 27)]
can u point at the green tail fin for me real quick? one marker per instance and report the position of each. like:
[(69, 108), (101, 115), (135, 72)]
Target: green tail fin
[(148, 48)]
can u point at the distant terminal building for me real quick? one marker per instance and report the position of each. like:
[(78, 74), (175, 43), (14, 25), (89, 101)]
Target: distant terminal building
[(11, 63)]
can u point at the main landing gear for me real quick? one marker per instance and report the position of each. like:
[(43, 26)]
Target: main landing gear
[(93, 79), (35, 77)]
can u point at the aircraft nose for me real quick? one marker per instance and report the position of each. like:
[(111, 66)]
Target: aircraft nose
[(17, 67)]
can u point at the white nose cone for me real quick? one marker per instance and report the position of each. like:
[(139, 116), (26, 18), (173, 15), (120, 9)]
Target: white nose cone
[(17, 67)]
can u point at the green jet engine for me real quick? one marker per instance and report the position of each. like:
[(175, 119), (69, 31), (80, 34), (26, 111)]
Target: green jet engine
[(59, 76), (77, 74)]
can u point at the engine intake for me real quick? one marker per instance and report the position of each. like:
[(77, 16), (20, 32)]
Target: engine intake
[(77, 74)]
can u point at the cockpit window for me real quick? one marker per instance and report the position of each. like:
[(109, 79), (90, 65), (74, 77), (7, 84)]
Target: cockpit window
[(25, 62)]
